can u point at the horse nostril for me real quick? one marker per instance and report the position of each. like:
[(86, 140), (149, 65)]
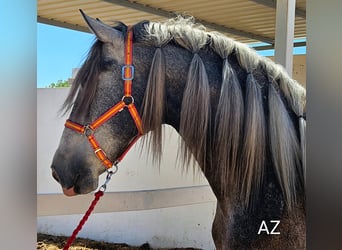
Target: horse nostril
[(55, 176)]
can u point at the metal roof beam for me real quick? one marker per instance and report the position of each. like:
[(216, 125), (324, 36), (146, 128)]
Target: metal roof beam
[(168, 14), (268, 47), (285, 25), (236, 32), (273, 4), (62, 24)]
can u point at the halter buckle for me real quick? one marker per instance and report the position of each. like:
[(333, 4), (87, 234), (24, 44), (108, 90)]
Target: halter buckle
[(131, 67), (99, 149)]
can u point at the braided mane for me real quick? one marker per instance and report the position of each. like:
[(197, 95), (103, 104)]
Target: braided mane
[(241, 128)]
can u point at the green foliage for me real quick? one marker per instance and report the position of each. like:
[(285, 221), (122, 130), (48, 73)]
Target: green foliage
[(59, 84)]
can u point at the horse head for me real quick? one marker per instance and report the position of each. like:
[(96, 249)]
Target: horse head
[(84, 153)]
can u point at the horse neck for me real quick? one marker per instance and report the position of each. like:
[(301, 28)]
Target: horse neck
[(177, 66)]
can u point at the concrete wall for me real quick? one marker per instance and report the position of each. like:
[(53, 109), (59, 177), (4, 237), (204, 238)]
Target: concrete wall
[(143, 203)]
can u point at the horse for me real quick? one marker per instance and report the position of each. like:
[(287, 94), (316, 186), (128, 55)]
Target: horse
[(240, 116)]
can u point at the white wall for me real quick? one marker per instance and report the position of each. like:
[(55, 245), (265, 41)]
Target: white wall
[(143, 203)]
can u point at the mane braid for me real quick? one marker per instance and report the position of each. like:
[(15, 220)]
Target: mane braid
[(240, 131), (254, 141), (284, 147), (195, 113), (228, 119), (295, 96), (153, 105), (228, 127)]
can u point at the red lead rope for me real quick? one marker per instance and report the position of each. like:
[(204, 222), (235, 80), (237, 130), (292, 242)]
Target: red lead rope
[(98, 194), (88, 130)]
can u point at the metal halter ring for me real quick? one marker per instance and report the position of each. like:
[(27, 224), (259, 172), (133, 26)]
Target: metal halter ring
[(128, 99), (88, 131)]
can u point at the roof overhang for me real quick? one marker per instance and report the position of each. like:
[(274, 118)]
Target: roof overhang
[(247, 21)]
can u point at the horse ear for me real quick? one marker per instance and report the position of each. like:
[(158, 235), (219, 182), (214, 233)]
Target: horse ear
[(103, 32)]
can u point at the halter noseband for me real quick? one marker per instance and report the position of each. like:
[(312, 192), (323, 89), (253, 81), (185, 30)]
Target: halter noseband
[(127, 101)]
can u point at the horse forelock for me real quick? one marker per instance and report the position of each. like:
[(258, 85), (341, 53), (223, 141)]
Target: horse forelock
[(85, 84)]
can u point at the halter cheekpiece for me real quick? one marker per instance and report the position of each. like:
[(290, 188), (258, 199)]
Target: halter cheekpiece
[(127, 101)]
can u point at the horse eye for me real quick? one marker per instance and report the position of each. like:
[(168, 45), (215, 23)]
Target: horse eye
[(108, 63)]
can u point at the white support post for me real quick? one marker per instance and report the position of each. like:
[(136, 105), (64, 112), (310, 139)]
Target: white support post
[(285, 20)]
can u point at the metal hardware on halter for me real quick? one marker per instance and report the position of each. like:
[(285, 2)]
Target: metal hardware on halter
[(88, 130), (127, 99), (123, 70), (100, 149), (109, 177)]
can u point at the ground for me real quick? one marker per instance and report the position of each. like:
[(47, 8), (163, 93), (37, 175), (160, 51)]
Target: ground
[(50, 242)]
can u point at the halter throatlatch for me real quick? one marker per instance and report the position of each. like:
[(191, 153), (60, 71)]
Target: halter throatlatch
[(127, 101)]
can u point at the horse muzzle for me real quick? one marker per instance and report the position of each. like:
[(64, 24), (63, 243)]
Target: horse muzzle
[(69, 192), (80, 184), (66, 191)]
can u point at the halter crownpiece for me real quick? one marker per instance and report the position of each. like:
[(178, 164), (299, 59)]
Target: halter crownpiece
[(127, 101)]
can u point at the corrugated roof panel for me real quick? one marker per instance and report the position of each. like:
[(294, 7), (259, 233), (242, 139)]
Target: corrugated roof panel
[(244, 16), (301, 4), (58, 5)]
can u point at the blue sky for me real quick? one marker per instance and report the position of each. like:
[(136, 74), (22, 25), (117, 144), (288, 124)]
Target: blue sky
[(60, 50)]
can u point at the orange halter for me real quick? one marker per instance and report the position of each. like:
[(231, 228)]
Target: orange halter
[(127, 101)]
